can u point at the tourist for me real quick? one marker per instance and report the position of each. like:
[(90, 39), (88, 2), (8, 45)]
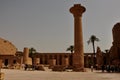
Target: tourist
[(26, 66), (96, 66), (112, 68), (103, 68), (108, 68), (91, 68)]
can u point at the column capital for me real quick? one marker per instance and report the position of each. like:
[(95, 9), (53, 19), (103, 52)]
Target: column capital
[(77, 10)]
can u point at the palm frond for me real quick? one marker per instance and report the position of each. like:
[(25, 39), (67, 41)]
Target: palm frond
[(88, 42), (70, 48)]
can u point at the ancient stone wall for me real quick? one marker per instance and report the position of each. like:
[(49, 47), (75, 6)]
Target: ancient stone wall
[(115, 49), (7, 48)]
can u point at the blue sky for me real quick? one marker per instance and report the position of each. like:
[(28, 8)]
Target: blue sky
[(47, 25)]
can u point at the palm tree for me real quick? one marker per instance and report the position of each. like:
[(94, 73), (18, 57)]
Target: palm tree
[(32, 51), (70, 48), (92, 40)]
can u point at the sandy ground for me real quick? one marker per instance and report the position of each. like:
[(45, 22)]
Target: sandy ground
[(49, 75)]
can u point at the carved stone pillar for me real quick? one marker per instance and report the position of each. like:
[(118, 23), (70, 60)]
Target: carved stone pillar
[(65, 61), (78, 57), (36, 61), (25, 55), (52, 63)]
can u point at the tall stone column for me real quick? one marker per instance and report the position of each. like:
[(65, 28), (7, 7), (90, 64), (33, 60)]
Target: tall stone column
[(78, 57), (25, 55)]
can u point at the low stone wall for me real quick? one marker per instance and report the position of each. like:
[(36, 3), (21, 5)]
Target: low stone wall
[(58, 68)]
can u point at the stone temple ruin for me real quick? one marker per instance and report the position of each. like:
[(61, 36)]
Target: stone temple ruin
[(112, 57), (115, 49), (77, 58), (7, 48), (13, 59)]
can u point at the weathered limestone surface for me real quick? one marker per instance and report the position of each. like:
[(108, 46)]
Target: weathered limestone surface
[(78, 57), (26, 58), (36, 61), (52, 63), (7, 48), (115, 49), (65, 62), (2, 75)]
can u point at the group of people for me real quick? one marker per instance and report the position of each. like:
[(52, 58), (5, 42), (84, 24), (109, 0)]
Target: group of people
[(110, 68)]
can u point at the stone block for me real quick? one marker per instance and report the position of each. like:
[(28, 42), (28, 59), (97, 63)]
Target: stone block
[(58, 68), (2, 75)]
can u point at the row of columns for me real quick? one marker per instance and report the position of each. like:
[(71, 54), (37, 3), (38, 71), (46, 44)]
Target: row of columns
[(51, 60), (64, 61)]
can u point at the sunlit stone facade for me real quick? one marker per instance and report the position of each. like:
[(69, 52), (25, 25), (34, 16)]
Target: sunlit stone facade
[(78, 57)]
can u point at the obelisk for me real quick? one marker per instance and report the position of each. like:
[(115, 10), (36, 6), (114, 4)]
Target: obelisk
[(78, 57)]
